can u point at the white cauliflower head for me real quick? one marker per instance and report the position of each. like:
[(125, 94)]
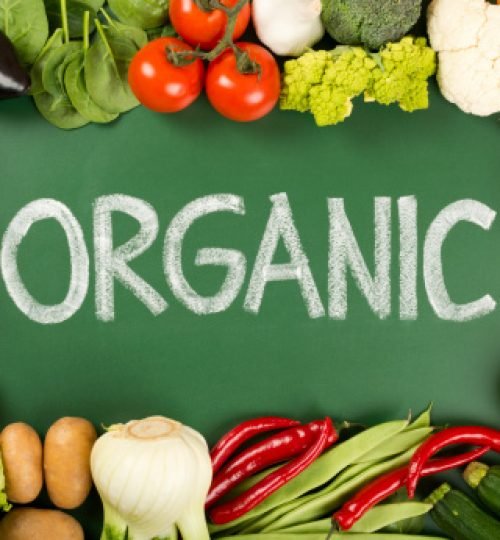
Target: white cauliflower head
[(466, 34)]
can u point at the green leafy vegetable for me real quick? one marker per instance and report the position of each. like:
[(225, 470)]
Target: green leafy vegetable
[(368, 22), (24, 22), (141, 13), (106, 66), (56, 40), (48, 88), (76, 10), (326, 82), (161, 31), (55, 105), (76, 88), (56, 62)]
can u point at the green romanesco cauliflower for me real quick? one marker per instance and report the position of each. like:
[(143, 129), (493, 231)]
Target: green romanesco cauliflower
[(402, 78), (326, 82), (300, 76)]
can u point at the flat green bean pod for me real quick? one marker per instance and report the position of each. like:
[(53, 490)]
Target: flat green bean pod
[(268, 519), (322, 503), (321, 536), (423, 420), (325, 468), (375, 519), (397, 444)]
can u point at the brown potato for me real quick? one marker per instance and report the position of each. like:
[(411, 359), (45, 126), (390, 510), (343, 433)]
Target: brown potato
[(66, 461), (34, 524), (21, 449)]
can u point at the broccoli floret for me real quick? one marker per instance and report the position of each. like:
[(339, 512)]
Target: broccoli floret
[(402, 79), (371, 23)]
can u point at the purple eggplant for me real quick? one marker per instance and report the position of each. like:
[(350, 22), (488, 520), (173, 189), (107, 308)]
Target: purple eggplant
[(14, 79)]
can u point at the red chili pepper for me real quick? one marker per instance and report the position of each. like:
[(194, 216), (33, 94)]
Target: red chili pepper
[(386, 485), (255, 495), (475, 435), (232, 440), (275, 449)]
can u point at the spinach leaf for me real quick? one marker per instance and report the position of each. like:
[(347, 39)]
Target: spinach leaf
[(48, 87), (77, 91), (24, 22), (141, 13), (56, 62), (138, 36), (76, 86), (162, 31), (76, 10), (55, 41), (106, 66)]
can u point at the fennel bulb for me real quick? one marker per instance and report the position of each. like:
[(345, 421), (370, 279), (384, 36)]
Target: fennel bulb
[(153, 476), (288, 27)]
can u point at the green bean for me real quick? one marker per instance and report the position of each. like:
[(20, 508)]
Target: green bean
[(318, 526), (236, 527), (321, 536), (323, 470), (386, 514), (322, 503), (268, 519), (264, 522), (375, 519), (397, 444), (414, 433), (424, 420)]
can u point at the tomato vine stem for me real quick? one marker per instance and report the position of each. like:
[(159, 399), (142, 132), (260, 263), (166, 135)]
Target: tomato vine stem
[(244, 63)]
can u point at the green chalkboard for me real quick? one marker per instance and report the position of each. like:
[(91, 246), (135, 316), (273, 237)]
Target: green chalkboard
[(213, 370)]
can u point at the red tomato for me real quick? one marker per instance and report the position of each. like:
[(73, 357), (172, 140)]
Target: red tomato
[(158, 84), (240, 97), (205, 28)]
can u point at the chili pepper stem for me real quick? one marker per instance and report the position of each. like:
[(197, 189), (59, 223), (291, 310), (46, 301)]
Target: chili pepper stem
[(334, 528), (244, 63)]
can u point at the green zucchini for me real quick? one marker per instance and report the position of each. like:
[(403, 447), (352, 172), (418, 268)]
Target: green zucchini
[(486, 480), (457, 516)]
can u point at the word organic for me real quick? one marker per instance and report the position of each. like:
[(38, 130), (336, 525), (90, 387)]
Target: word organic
[(344, 258)]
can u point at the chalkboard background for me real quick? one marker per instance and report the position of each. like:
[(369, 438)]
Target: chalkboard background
[(212, 371)]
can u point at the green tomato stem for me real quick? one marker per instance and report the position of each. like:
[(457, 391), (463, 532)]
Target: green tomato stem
[(244, 63)]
